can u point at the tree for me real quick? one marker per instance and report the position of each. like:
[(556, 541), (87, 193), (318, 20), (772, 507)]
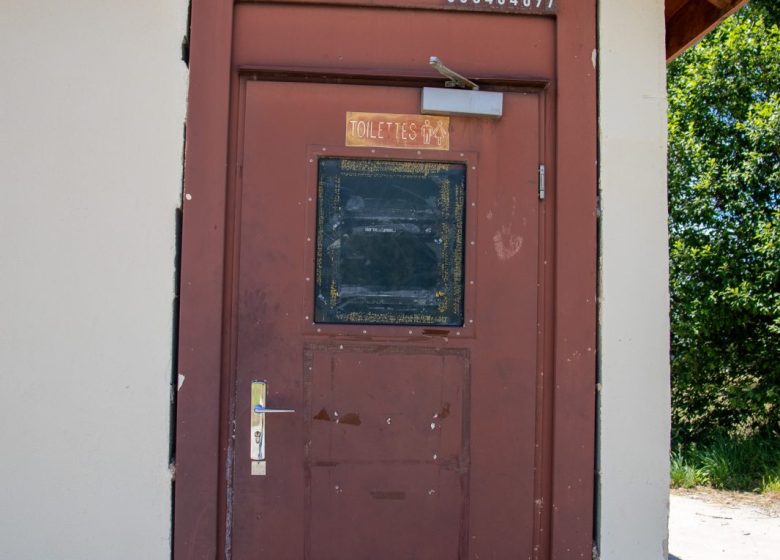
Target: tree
[(724, 225)]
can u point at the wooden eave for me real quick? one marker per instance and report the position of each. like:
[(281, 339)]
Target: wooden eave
[(687, 21)]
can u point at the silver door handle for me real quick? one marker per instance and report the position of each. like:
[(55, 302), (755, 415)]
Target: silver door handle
[(260, 409), (257, 434)]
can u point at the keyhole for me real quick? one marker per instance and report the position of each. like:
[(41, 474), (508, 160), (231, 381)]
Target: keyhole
[(258, 435)]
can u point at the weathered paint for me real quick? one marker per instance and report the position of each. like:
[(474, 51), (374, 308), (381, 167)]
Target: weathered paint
[(562, 492)]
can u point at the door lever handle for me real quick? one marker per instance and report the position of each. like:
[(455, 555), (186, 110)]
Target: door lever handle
[(260, 409), (257, 435)]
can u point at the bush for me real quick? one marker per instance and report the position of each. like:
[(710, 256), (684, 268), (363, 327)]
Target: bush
[(751, 464), (724, 225)]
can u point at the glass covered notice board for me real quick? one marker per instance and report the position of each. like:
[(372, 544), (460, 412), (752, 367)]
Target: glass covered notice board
[(390, 242)]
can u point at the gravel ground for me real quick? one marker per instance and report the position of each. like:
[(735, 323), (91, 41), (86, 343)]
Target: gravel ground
[(711, 525)]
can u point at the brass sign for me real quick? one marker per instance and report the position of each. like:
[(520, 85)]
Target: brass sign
[(388, 130)]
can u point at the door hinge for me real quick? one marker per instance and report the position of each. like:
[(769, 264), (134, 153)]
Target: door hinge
[(541, 182)]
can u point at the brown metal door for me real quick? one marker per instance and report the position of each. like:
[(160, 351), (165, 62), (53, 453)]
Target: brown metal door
[(438, 352), (409, 440)]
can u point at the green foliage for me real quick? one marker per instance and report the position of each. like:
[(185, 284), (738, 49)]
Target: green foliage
[(771, 484), (685, 474), (751, 464), (724, 195), (770, 9)]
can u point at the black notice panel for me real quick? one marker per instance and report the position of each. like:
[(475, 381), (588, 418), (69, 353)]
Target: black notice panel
[(390, 242)]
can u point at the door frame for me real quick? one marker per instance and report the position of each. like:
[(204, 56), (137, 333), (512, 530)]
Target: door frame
[(569, 317)]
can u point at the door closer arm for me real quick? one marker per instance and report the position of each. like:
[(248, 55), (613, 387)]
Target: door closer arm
[(459, 97), (455, 79)]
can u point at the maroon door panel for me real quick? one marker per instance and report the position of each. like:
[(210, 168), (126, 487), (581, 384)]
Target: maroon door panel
[(442, 384), (393, 42), (388, 458), (407, 442)]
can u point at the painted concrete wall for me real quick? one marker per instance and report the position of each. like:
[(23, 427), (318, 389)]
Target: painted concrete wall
[(634, 408), (92, 103)]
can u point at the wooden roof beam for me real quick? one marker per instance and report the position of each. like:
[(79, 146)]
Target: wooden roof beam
[(688, 21)]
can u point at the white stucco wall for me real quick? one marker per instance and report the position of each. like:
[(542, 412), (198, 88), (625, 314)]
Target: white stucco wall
[(92, 103), (634, 413)]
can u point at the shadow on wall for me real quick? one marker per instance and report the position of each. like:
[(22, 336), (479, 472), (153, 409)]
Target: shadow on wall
[(673, 557)]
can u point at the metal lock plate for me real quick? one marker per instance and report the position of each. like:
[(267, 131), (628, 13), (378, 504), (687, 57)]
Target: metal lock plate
[(257, 425)]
